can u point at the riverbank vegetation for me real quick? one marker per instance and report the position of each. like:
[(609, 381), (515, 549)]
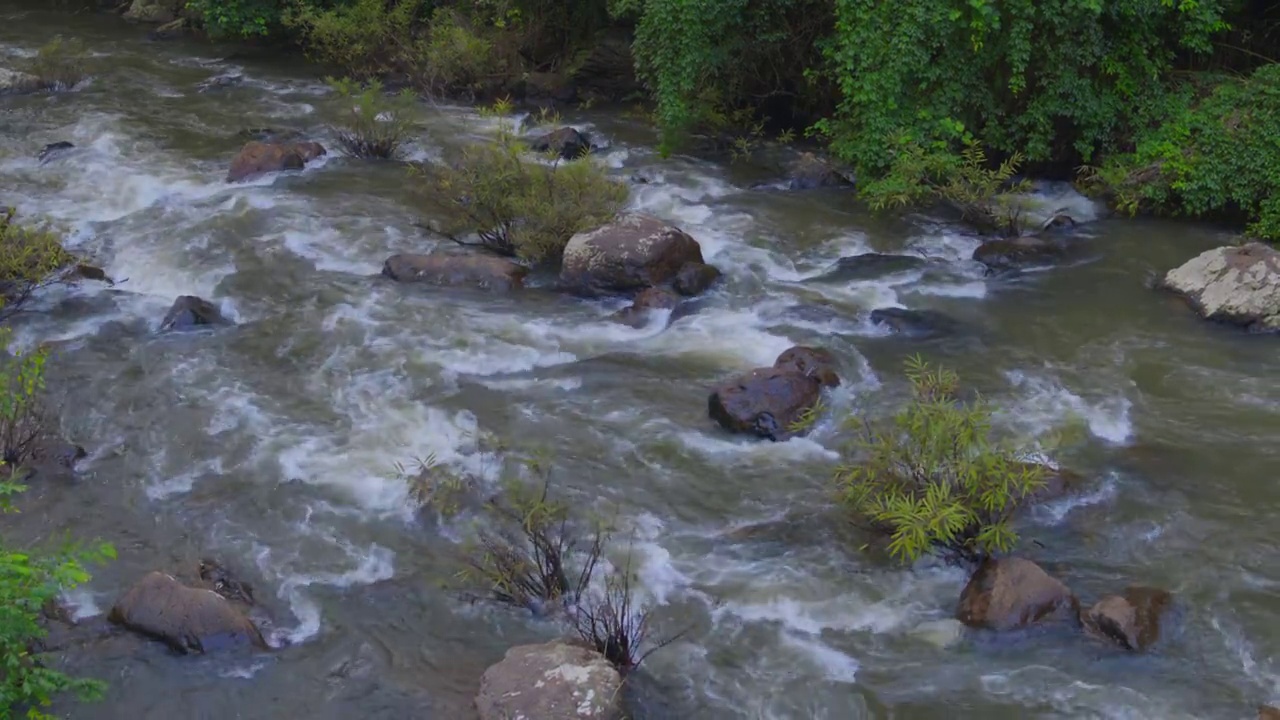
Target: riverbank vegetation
[(1108, 88)]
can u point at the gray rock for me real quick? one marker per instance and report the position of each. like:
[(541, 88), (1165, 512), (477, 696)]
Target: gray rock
[(695, 278), (1234, 285), (815, 362), (484, 271), (190, 312), (1020, 253), (630, 254), (555, 681), (810, 172), (914, 323), (1132, 620), (13, 82), (566, 142), (870, 266), (51, 151)]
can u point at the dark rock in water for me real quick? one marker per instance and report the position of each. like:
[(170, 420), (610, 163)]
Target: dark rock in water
[(190, 312), (694, 278), (766, 402), (566, 142), (1019, 253), (13, 82), (1132, 620), (639, 179), (189, 620), (631, 253), (90, 272), (870, 266), (219, 82), (637, 314), (175, 30), (260, 158), (51, 151), (226, 584), (814, 362), (558, 680), (914, 323), (1060, 221), (1013, 593), (810, 172), (483, 271)]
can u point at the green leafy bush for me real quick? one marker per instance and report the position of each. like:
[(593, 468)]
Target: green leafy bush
[(516, 206), (60, 63), (374, 124), (238, 18), (365, 38), (31, 258), (1218, 155), (30, 581), (934, 479), (455, 57)]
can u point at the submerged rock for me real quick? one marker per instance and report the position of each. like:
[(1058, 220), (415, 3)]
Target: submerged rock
[(154, 11), (225, 583), (1012, 593), (1019, 253), (188, 619), (259, 158), (809, 172), (218, 82), (483, 271), (870, 266), (13, 82), (638, 312), (566, 142), (914, 323), (814, 362), (1132, 620), (695, 278), (51, 151), (190, 312), (630, 254), (766, 402), (552, 681), (1233, 285), (1266, 712)]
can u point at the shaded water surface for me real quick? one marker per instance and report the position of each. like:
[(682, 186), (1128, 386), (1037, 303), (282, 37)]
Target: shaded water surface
[(274, 445)]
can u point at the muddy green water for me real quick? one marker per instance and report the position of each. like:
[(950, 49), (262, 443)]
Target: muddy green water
[(273, 445)]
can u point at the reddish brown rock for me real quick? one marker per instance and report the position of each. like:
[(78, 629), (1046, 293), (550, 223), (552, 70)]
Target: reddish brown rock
[(766, 403), (260, 158), (188, 619), (815, 362), (630, 254), (1132, 620), (1013, 593)]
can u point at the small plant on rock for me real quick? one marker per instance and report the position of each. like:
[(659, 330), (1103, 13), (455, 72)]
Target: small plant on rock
[(23, 423), (60, 63), (514, 205), (374, 124), (934, 479)]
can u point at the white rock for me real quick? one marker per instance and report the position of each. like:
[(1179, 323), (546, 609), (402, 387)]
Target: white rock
[(1236, 285)]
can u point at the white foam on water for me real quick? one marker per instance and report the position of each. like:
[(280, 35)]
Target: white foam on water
[(81, 602), (1038, 685), (372, 565), (1054, 511), (1045, 405), (1048, 197)]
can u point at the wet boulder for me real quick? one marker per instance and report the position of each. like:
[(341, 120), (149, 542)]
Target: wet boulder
[(259, 158), (555, 680), (810, 172), (1013, 593), (13, 82), (566, 143), (222, 581), (695, 278), (639, 311), (630, 254), (53, 150), (483, 271), (1132, 620), (914, 323), (1233, 285), (190, 620), (159, 12), (870, 266), (219, 82), (191, 313), (767, 402), (1028, 251), (814, 362)]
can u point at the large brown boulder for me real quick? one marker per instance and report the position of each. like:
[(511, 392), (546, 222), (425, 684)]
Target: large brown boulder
[(816, 362), (632, 253), (260, 158), (566, 143), (552, 681), (1012, 593), (188, 619), (1234, 285), (809, 172), (483, 271), (1132, 620), (13, 82), (647, 301), (766, 402)]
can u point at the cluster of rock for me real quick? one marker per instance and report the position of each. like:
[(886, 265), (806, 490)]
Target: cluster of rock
[(1014, 593)]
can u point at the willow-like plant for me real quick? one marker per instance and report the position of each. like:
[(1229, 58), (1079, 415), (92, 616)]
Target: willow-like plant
[(31, 258), (933, 478), (373, 123)]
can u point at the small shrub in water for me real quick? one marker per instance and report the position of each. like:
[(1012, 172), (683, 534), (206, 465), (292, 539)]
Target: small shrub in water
[(60, 63), (614, 625), (374, 124), (31, 258), (934, 479), (516, 206)]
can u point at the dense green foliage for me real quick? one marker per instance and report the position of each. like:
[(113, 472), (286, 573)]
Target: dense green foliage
[(60, 63), (30, 259), (1217, 155), (516, 205), (934, 478), (29, 581), (373, 124)]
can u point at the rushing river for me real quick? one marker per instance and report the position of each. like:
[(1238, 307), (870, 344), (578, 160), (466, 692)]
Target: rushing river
[(273, 445)]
